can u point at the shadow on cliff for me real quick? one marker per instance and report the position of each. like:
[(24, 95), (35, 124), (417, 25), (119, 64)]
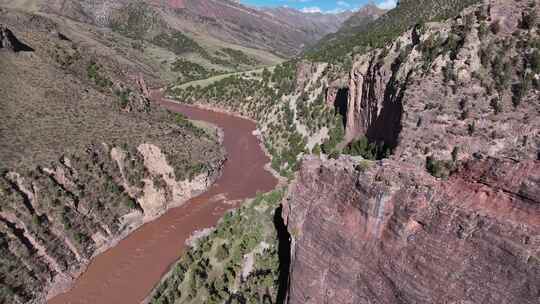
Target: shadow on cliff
[(8, 39), (385, 129), (341, 104), (284, 251)]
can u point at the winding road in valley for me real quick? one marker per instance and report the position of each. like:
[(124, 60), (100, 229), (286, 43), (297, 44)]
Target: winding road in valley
[(127, 272)]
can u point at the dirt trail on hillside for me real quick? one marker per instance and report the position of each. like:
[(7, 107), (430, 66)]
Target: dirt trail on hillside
[(127, 272)]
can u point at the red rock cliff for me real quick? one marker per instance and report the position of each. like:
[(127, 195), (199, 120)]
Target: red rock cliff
[(389, 233)]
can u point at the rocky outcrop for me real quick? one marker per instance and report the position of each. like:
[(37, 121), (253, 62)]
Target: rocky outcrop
[(337, 94), (385, 232), (304, 73), (375, 102), (142, 87), (451, 85)]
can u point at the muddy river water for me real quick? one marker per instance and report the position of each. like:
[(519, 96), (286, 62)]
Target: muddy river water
[(127, 272)]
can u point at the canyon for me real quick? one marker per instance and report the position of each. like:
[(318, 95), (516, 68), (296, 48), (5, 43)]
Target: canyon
[(408, 145), (440, 201)]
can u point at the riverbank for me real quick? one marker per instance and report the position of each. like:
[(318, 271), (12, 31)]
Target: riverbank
[(282, 181)]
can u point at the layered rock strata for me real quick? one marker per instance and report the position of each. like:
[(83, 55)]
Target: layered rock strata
[(385, 232)]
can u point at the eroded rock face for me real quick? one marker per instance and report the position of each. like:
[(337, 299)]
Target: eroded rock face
[(387, 232)]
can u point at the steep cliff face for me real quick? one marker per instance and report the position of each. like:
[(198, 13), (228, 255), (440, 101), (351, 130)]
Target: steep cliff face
[(460, 94), (385, 232), (470, 83)]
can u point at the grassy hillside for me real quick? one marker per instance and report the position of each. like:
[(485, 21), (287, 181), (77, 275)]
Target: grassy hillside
[(160, 37), (62, 96), (197, 56)]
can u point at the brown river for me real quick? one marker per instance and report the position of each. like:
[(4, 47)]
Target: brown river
[(127, 272)]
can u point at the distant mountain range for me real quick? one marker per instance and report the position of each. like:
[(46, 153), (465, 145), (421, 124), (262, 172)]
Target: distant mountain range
[(282, 31)]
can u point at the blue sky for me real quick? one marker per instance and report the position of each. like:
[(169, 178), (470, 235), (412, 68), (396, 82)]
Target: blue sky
[(326, 6)]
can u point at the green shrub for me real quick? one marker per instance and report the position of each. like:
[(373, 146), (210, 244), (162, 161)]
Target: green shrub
[(191, 71), (496, 105), (334, 155), (336, 136), (238, 56), (178, 43), (316, 150), (455, 154), (471, 128), (222, 252), (81, 238), (123, 97), (482, 30), (92, 70), (534, 61), (521, 89), (363, 165), (371, 151), (93, 73), (434, 167), (131, 204), (529, 20), (501, 70), (495, 27), (36, 221)]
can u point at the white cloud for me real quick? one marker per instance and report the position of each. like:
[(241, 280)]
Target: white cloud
[(335, 11), (343, 3), (387, 4), (312, 9)]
